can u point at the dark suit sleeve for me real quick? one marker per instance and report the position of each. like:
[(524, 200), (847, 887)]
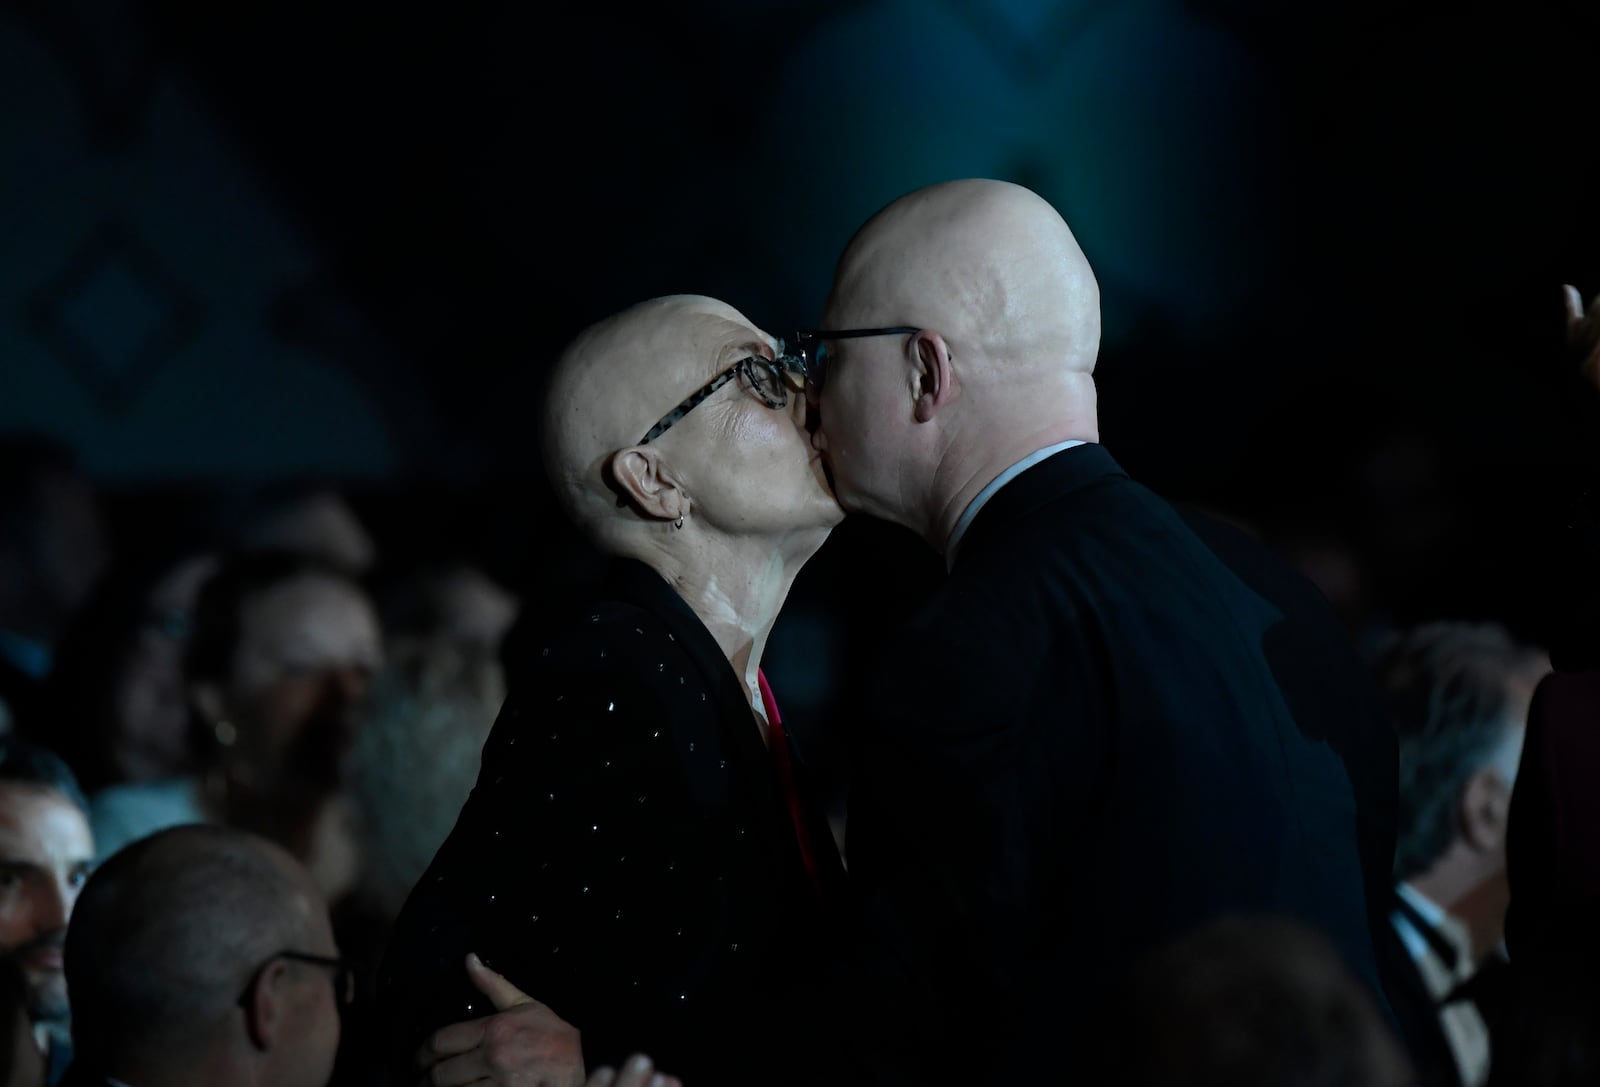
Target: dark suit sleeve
[(578, 869), (955, 868), (1553, 846)]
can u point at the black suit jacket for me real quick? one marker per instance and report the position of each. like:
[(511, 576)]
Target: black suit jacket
[(1104, 730), (626, 856)]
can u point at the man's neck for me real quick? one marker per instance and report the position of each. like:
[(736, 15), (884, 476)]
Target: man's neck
[(737, 587), (961, 477), (1475, 898)]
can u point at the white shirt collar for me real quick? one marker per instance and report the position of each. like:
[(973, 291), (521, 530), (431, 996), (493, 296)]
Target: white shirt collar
[(1448, 928), (988, 492)]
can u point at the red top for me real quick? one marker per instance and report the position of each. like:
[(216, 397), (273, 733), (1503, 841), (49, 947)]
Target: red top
[(778, 741)]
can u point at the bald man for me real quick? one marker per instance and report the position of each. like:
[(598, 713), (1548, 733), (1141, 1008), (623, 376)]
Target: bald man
[(1112, 722), (202, 956)]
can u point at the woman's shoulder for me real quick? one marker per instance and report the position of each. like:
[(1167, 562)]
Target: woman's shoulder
[(599, 635)]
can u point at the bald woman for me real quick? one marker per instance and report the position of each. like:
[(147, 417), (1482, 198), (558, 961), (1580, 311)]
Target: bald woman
[(640, 850)]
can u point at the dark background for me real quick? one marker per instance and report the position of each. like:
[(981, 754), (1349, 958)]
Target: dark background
[(248, 242)]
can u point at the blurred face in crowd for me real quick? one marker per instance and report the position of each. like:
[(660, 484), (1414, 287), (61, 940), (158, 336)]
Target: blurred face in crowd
[(151, 715), (477, 612), (45, 856), (308, 647)]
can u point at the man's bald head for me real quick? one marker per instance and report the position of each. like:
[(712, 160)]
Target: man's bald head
[(989, 264), (167, 933), (1007, 318), (614, 381)]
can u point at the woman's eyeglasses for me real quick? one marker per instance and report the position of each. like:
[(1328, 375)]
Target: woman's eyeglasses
[(771, 380), (801, 366)]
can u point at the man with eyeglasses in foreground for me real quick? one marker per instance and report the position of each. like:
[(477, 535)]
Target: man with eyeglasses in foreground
[(203, 955)]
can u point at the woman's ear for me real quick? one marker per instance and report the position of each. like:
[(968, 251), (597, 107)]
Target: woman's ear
[(646, 481)]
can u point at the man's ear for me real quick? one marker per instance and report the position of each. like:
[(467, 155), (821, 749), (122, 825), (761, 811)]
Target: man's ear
[(935, 378), (1485, 809), (645, 479), (265, 1004)]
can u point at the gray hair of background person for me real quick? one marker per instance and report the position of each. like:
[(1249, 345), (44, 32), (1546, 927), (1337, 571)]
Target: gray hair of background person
[(166, 933), (23, 763), (1448, 688), (415, 761)]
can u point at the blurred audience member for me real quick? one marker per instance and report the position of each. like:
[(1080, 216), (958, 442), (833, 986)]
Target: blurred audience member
[(118, 711), (1458, 695), (46, 852), (415, 761), (433, 704), (279, 667), (308, 519), (53, 546), (205, 956), (1249, 1002), (278, 664), (454, 606)]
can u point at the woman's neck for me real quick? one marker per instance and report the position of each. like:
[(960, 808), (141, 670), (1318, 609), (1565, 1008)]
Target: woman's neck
[(737, 588)]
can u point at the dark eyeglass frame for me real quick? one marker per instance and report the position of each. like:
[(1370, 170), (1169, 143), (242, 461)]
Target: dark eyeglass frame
[(344, 975), (807, 344), (784, 370)]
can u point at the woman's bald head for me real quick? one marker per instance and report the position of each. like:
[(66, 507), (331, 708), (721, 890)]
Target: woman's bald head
[(612, 383)]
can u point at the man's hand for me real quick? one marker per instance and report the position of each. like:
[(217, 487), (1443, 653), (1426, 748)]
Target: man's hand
[(524, 1044), (1583, 333)]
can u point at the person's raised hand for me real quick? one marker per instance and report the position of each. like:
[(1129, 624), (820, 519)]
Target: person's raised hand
[(1583, 333), (523, 1044)]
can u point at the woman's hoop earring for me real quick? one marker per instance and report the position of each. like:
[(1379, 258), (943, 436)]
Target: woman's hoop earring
[(678, 523)]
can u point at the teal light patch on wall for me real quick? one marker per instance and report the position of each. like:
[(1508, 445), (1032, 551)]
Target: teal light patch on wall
[(1140, 122)]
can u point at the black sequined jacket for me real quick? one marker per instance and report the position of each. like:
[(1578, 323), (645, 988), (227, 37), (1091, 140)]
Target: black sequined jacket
[(626, 857)]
